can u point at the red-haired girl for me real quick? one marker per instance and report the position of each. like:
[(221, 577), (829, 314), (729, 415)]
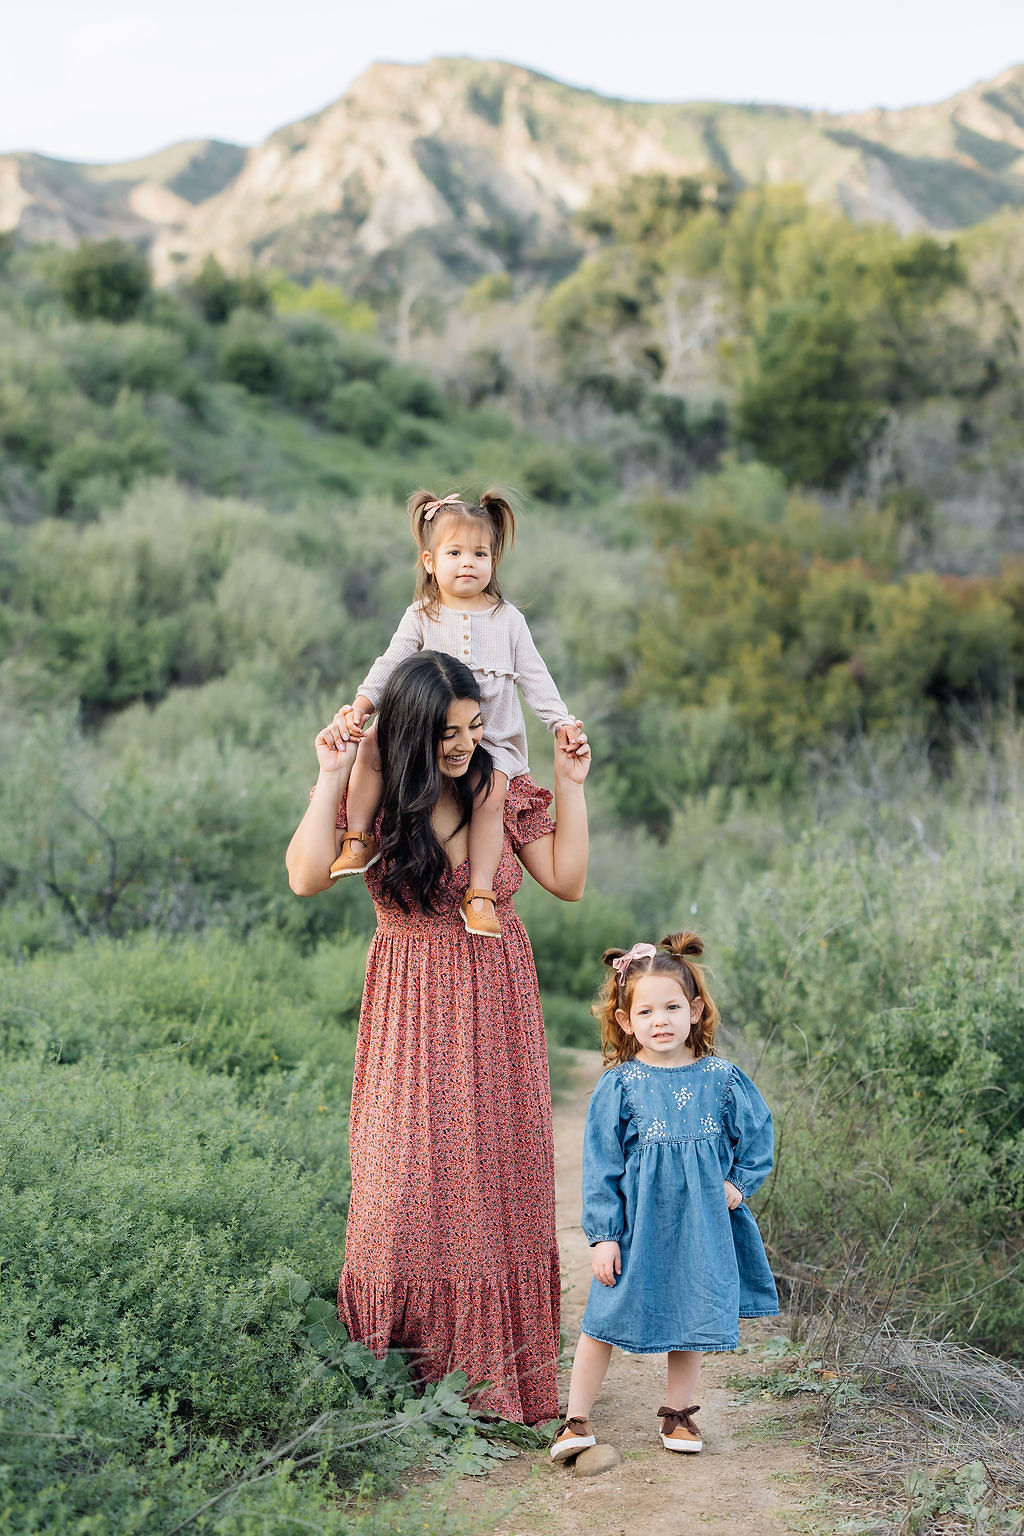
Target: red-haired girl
[(676, 1140)]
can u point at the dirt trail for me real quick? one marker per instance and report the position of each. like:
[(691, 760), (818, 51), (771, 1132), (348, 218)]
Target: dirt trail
[(737, 1484)]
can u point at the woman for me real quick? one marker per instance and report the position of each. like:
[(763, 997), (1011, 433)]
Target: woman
[(450, 1248)]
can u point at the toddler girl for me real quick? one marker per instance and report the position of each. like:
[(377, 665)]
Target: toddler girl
[(458, 608), (676, 1139)]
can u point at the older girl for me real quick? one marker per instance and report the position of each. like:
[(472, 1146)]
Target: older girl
[(676, 1140)]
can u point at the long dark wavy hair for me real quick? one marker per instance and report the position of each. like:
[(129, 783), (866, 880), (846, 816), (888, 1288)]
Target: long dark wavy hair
[(411, 719)]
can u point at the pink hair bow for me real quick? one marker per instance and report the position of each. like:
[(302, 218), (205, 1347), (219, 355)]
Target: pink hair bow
[(434, 506), (638, 952)]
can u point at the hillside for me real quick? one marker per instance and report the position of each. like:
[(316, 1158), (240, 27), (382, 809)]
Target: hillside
[(454, 168), (60, 200)]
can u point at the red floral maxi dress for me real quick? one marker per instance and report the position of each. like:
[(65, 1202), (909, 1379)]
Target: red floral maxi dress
[(450, 1248)]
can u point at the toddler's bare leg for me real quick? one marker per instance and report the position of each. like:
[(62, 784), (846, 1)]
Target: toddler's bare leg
[(364, 785), (589, 1365), (679, 1429), (683, 1375), (358, 849), (486, 837)]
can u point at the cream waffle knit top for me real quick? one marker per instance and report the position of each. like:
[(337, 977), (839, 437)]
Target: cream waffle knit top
[(498, 649)]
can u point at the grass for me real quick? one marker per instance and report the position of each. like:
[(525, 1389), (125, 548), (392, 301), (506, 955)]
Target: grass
[(918, 1436)]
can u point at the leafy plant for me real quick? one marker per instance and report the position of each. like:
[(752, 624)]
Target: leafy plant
[(105, 280)]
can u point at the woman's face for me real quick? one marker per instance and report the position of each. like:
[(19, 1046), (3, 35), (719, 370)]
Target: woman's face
[(463, 729)]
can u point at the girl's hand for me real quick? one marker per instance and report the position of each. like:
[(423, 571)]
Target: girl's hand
[(607, 1262), (349, 720), (572, 753), (335, 749), (733, 1196), (574, 734)]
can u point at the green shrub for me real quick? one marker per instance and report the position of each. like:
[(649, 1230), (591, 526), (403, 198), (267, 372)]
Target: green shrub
[(314, 363), (410, 390), (326, 299), (91, 473), (105, 280), (809, 409), (218, 295), (547, 473), (359, 408), (251, 354), (144, 358)]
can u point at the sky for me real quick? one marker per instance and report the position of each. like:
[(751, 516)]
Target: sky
[(113, 79)]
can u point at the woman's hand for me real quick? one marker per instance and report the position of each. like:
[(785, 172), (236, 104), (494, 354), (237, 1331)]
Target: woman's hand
[(733, 1196), (316, 841), (335, 746), (607, 1262), (572, 753), (559, 862)]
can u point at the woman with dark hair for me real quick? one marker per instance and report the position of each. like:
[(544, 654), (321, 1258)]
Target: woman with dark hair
[(450, 1249)]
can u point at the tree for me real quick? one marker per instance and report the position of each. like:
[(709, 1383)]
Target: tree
[(105, 280), (807, 409), (219, 294)]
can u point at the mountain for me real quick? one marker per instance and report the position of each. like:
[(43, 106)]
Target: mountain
[(61, 200), (435, 173)]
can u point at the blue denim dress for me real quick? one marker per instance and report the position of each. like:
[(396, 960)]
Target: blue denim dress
[(658, 1146)]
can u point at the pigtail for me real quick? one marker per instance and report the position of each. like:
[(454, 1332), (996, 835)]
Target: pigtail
[(417, 505), (686, 947), (685, 943), (426, 593), (616, 1044), (502, 518)]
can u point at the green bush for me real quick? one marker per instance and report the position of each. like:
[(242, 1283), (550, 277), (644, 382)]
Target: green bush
[(547, 473), (218, 295), (809, 408), (410, 390), (102, 361), (359, 408), (105, 280), (91, 473), (251, 353), (314, 362)]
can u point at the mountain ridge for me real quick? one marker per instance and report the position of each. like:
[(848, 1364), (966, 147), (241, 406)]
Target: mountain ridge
[(436, 173)]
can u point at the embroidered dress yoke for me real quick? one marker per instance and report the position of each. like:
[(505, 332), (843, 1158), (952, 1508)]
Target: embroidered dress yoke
[(498, 649), (659, 1144)]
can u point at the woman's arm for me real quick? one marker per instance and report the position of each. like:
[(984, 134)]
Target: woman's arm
[(558, 862), (316, 842)]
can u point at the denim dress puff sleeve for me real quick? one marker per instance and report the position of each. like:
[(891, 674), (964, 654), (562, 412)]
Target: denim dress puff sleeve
[(747, 1122), (608, 1138)]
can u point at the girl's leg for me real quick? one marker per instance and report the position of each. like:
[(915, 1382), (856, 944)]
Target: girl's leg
[(683, 1375), (361, 804), (679, 1430), (589, 1365), (486, 836)]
